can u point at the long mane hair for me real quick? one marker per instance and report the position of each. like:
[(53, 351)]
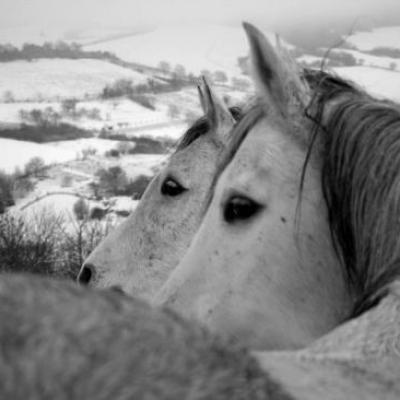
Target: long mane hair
[(358, 138)]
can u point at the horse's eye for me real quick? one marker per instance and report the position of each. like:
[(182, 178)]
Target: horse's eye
[(239, 208), (171, 187)]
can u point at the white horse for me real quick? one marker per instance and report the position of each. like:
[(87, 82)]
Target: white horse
[(61, 341), (139, 255), (359, 359), (262, 266), (301, 233)]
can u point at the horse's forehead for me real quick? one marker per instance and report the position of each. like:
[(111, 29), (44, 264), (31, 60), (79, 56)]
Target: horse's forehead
[(266, 147), (202, 151)]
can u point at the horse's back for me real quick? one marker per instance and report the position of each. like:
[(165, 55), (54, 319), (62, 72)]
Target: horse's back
[(60, 341)]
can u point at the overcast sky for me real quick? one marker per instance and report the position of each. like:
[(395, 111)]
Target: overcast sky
[(136, 13)]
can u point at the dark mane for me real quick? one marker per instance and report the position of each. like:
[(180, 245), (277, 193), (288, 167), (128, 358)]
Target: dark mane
[(359, 140), (201, 127)]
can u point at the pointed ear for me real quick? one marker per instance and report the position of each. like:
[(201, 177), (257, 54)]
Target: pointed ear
[(274, 80), (296, 84), (217, 113), (202, 98)]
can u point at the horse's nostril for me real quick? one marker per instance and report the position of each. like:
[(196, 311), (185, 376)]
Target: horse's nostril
[(85, 274)]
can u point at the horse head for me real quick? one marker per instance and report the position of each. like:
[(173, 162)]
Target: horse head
[(139, 255), (262, 267)]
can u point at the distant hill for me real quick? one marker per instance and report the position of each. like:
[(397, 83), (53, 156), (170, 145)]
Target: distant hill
[(195, 47), (379, 82), (387, 37)]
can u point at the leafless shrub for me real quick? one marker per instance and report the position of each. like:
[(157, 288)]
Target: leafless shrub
[(47, 243), (29, 247), (77, 243)]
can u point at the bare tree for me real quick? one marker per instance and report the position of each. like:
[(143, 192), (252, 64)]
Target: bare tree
[(220, 76), (35, 167), (164, 66)]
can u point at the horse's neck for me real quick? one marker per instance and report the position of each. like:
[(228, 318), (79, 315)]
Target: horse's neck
[(359, 360), (328, 379), (375, 334)]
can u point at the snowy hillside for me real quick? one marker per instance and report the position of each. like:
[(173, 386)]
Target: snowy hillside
[(42, 84), (379, 82), (16, 153), (378, 37), (377, 74), (61, 78), (117, 113), (38, 35), (371, 60), (198, 47)]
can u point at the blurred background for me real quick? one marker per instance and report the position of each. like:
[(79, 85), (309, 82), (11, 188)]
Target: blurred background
[(94, 95)]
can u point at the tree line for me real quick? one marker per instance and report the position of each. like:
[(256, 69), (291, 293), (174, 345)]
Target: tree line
[(60, 49)]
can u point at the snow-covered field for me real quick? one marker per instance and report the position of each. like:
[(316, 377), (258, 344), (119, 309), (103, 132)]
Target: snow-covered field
[(379, 82), (57, 205), (122, 113), (38, 35), (307, 58), (118, 113), (16, 153), (214, 47), (62, 206), (60, 78), (9, 112), (196, 47), (173, 131), (127, 117), (78, 146), (50, 198), (372, 61), (378, 37), (142, 164)]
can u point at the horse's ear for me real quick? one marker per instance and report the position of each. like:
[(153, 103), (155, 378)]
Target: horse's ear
[(296, 84), (202, 97), (274, 74), (216, 111)]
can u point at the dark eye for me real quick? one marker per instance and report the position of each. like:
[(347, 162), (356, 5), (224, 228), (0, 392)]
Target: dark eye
[(171, 187), (239, 208)]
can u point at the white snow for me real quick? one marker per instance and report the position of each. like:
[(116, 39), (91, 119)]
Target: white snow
[(370, 60), (96, 34), (173, 130), (61, 78), (76, 147), (16, 153), (57, 204), (196, 47), (142, 164), (308, 58), (378, 37), (9, 112), (118, 113), (123, 203), (379, 82)]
